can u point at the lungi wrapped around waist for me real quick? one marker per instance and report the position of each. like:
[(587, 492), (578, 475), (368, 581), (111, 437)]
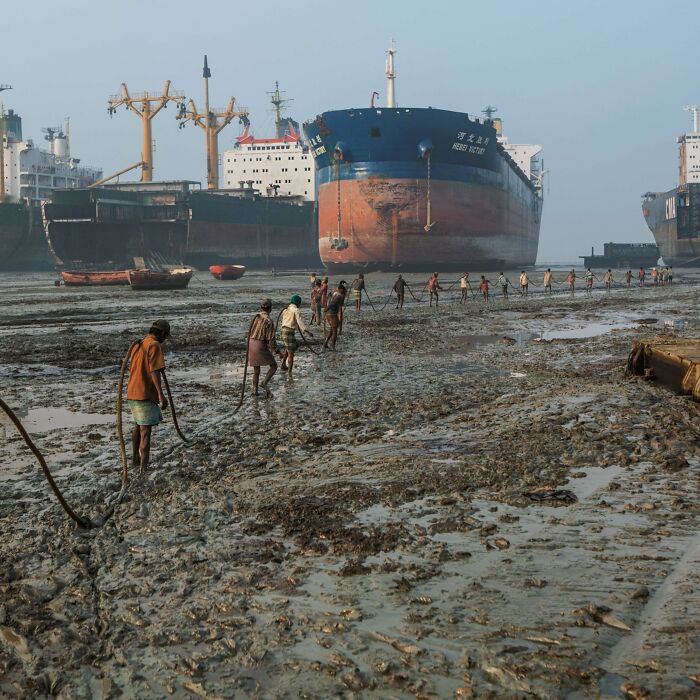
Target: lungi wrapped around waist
[(259, 354), (289, 339), (145, 412)]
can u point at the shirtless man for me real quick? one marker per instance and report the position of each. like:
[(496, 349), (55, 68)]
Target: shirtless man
[(400, 289), (571, 281), (642, 274), (589, 281)]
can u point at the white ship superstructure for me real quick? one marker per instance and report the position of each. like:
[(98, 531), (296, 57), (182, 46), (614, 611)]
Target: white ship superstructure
[(689, 151), (525, 155), (275, 167), (30, 173), (280, 166)]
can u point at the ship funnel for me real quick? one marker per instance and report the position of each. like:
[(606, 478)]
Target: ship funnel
[(425, 148)]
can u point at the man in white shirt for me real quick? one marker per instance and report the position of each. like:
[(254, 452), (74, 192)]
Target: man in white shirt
[(291, 320)]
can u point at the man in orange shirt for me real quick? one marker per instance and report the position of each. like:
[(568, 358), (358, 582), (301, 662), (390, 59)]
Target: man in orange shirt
[(144, 392)]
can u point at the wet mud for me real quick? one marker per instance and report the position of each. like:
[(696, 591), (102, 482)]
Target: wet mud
[(465, 502)]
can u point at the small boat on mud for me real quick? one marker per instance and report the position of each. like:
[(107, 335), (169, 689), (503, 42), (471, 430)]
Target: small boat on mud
[(74, 278), (227, 272), (153, 279)]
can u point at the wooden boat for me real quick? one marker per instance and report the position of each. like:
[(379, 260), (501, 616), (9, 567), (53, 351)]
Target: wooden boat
[(74, 278), (227, 272), (152, 279)]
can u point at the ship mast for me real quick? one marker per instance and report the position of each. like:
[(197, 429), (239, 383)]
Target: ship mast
[(145, 105), (277, 103), (212, 122), (390, 76), (2, 145)]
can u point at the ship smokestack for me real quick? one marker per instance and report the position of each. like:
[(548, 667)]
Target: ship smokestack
[(390, 76)]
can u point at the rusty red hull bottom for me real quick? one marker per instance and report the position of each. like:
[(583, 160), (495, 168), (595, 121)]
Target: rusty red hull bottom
[(383, 226)]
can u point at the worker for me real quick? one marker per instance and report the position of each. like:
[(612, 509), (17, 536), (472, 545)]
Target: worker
[(343, 289), (664, 277), (433, 289), (484, 288), (316, 304), (291, 320), (463, 287), (608, 279), (524, 283), (670, 275), (503, 281), (571, 281), (312, 280), (547, 281), (628, 278), (357, 287), (400, 289), (334, 310), (144, 391), (642, 275), (654, 277), (589, 281), (324, 292), (261, 346)]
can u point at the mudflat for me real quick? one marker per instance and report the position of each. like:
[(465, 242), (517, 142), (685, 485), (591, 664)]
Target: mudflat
[(465, 502)]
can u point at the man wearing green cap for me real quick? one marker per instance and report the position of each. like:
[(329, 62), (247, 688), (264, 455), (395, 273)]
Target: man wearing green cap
[(291, 320), (144, 392)]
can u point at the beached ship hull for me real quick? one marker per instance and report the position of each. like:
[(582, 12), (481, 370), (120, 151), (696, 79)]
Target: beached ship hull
[(674, 220), (23, 245), (419, 189), (117, 228), (259, 232)]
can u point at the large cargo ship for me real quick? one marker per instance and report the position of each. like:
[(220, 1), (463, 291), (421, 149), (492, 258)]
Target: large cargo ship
[(119, 226), (28, 176), (674, 216), (422, 188)]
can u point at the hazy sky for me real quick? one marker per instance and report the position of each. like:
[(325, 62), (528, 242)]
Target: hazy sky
[(599, 84)]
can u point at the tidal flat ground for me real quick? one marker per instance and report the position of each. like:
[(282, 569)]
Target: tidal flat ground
[(470, 501)]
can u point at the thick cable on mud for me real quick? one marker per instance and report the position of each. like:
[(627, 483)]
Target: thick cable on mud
[(81, 520)]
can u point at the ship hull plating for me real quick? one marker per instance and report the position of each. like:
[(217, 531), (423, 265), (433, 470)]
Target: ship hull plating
[(419, 189), (258, 232), (383, 222), (23, 246), (116, 229), (673, 217)]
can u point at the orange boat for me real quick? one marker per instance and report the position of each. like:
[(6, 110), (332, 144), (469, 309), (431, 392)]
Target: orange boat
[(227, 272), (152, 279), (73, 278)]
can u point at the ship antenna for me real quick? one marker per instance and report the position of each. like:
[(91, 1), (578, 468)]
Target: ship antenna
[(489, 111), (2, 145), (278, 102), (390, 75), (694, 109)]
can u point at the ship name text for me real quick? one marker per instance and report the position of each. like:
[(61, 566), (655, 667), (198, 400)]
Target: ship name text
[(470, 143), (316, 146)]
